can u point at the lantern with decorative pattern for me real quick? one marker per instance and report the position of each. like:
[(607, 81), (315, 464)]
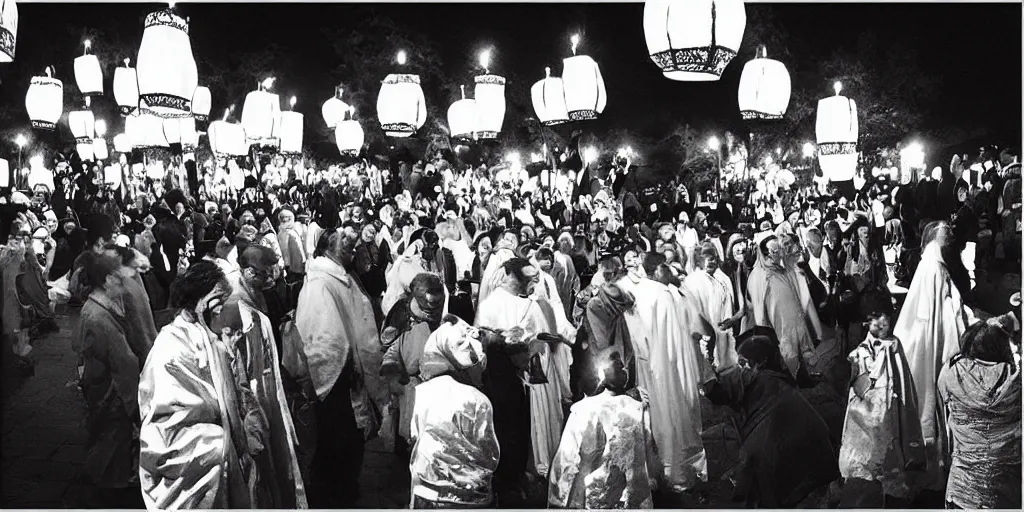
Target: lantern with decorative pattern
[(463, 118), (126, 89), (202, 102), (166, 67), (44, 101), (837, 130), (145, 130), (401, 106), (8, 30), (549, 100), (83, 125), (694, 40), (764, 88), (585, 96), (349, 135), (260, 114), (489, 95)]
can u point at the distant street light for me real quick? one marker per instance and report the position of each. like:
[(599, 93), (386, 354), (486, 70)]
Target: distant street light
[(714, 143)]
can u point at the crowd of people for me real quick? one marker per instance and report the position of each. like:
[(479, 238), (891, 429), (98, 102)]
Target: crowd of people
[(527, 336)]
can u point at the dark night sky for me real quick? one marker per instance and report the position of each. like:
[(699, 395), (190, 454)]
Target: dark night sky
[(974, 48)]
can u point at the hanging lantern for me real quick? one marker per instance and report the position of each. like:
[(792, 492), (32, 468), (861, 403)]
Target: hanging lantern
[(201, 104), (334, 109), (837, 131), (166, 68), (236, 177), (489, 96), (290, 132), (463, 118), (349, 135), (83, 126), (227, 139), (694, 40), (126, 89), (155, 170), (146, 131), (549, 100), (44, 101), (172, 130), (5, 173), (39, 175), (8, 30), (585, 96), (112, 175), (189, 134), (122, 144), (260, 114), (764, 88), (99, 148), (401, 106), (88, 74)]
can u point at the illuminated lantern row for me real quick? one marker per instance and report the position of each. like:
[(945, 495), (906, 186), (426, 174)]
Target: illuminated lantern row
[(202, 102), (837, 131), (349, 135), (463, 118), (585, 96), (764, 88), (126, 89), (549, 100), (401, 106), (290, 131), (44, 101), (8, 30), (166, 67), (227, 139), (261, 113), (334, 109), (694, 40), (88, 74), (489, 96)]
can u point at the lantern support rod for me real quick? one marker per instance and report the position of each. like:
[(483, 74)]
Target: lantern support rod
[(49, 71), (762, 52), (463, 87)]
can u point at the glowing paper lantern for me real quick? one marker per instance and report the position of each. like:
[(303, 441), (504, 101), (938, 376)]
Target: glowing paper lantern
[(549, 100), (201, 104), (260, 114), (8, 30), (236, 177), (401, 106), (83, 126), (585, 96), (44, 101), (39, 174), (463, 118), (155, 170), (99, 148), (126, 89), (89, 75), (189, 134), (112, 175), (166, 68), (122, 144), (764, 88), (334, 110), (489, 96), (290, 132), (694, 40), (837, 131), (146, 131), (5, 173), (227, 139), (172, 130), (349, 136)]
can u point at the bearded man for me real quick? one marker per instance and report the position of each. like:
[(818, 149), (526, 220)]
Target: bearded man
[(258, 375), (515, 305)]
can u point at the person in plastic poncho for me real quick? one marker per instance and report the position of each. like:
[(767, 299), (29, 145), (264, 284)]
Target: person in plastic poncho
[(606, 458), (456, 450), (194, 450)]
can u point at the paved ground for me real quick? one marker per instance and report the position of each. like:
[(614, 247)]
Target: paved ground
[(43, 432)]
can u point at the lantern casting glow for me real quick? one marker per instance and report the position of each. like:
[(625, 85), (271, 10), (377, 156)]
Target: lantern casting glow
[(166, 67), (44, 101), (8, 31), (912, 157), (808, 150), (349, 136), (585, 95), (764, 89), (83, 126), (489, 96), (694, 40), (401, 106), (463, 118), (88, 74), (201, 104), (227, 139), (291, 131), (837, 132), (261, 113), (334, 109), (126, 89), (549, 100)]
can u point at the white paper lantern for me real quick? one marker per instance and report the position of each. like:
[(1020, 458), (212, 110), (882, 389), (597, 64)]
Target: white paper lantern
[(401, 106), (8, 30), (764, 88), (112, 175), (227, 139), (236, 177), (463, 118), (290, 132), (126, 89), (89, 75), (83, 126), (39, 175), (202, 102), (44, 101), (334, 110), (189, 134), (260, 114), (146, 131), (349, 137), (549, 100), (166, 67), (489, 96), (172, 130), (122, 143), (694, 40), (155, 170), (5, 173), (585, 96), (99, 148), (837, 131)]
